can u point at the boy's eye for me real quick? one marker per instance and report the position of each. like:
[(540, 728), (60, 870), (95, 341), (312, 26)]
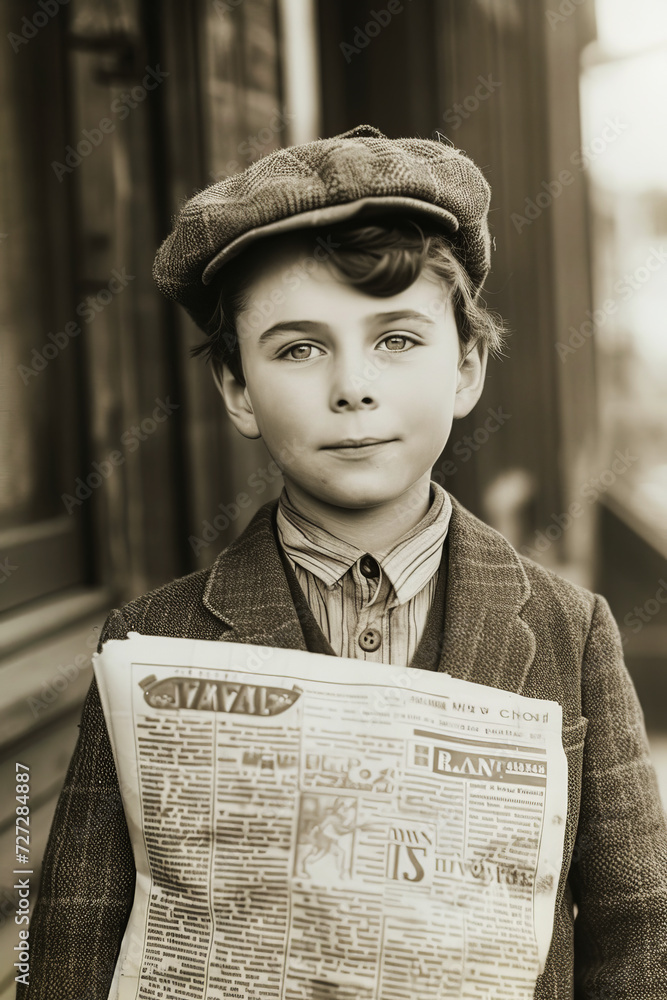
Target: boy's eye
[(397, 342), (301, 352)]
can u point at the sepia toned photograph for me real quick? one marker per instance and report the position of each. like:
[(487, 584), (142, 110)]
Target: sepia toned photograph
[(333, 499)]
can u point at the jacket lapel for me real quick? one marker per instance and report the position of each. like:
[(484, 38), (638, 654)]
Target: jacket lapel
[(486, 640), (248, 591)]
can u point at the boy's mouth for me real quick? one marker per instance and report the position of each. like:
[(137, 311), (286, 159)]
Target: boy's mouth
[(354, 444)]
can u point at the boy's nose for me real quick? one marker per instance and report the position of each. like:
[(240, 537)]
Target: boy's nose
[(353, 401), (350, 391)]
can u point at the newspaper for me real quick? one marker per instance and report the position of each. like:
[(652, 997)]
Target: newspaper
[(306, 826)]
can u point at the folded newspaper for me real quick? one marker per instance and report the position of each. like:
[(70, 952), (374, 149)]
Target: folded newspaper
[(306, 826)]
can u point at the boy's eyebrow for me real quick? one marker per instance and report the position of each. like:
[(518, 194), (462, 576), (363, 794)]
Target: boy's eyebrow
[(309, 326)]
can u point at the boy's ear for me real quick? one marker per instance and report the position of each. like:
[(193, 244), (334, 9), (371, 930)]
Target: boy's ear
[(470, 379), (237, 401)]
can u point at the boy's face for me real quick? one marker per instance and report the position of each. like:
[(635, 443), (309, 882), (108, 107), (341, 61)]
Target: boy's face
[(353, 395)]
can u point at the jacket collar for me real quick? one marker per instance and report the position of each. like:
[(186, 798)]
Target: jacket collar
[(408, 566), (486, 640), (248, 591)]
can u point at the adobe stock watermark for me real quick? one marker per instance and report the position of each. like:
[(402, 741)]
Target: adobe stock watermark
[(291, 279), (30, 26), (257, 482), (641, 615), (130, 439), (580, 159), (87, 309), (625, 288), (459, 112), (8, 904), (565, 10), (254, 145), (224, 7), (586, 842), (7, 569), (464, 448), (470, 444), (590, 492), (120, 107), (387, 697), (378, 20), (65, 675)]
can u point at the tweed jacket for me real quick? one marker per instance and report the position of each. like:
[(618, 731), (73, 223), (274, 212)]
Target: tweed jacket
[(508, 623)]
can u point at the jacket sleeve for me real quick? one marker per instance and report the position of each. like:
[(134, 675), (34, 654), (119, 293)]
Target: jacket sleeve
[(619, 880), (88, 873)]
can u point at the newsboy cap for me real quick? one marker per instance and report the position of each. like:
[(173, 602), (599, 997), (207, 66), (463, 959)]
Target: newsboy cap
[(360, 175)]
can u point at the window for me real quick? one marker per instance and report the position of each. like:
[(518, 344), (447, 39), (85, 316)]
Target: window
[(41, 546)]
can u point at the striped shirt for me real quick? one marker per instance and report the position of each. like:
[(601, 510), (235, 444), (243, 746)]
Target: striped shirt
[(368, 608)]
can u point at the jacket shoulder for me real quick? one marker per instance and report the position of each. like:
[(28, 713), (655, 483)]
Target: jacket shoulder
[(185, 608), (568, 606), (175, 609), (481, 545), (545, 580), (553, 606)]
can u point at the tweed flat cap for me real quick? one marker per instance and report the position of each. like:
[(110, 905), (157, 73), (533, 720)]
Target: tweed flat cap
[(359, 174)]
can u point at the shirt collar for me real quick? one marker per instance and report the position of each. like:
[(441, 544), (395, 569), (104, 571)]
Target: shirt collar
[(409, 565)]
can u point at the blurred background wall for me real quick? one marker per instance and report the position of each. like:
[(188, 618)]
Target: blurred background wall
[(119, 468)]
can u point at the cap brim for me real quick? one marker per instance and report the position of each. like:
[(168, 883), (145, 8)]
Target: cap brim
[(362, 208)]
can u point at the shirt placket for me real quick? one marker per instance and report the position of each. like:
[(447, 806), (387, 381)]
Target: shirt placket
[(369, 638)]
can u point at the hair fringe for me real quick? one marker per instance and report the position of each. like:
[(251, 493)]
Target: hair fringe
[(379, 260)]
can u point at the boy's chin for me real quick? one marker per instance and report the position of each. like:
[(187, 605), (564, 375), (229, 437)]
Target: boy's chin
[(352, 493)]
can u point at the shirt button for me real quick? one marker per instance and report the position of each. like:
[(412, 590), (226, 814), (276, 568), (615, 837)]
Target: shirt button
[(369, 567), (370, 640)]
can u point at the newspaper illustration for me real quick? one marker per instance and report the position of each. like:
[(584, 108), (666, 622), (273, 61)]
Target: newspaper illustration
[(306, 826)]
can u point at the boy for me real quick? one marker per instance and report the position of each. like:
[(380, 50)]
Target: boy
[(338, 283)]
